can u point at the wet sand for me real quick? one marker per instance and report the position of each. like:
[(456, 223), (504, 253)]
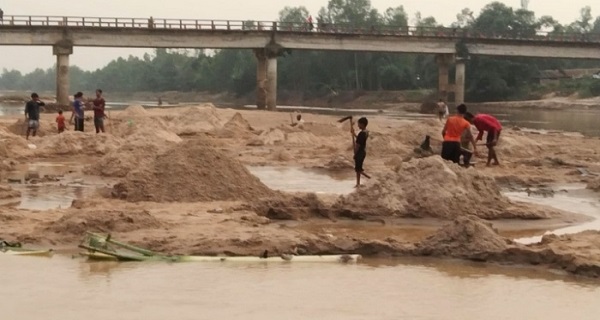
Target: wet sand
[(314, 158)]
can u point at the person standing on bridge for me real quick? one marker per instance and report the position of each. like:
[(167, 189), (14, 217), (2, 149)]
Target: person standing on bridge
[(1, 15), (99, 104), (78, 112), (309, 21)]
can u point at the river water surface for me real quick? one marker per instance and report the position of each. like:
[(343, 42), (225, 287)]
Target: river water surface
[(62, 288)]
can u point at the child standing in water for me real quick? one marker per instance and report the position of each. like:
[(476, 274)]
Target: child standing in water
[(360, 149)]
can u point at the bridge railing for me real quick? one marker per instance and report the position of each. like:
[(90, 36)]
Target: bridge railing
[(296, 27)]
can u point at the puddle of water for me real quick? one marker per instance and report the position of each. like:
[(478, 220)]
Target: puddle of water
[(576, 200), (70, 289), (71, 185), (291, 179)]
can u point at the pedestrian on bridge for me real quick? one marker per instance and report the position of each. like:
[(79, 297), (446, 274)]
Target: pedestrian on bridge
[(1, 15), (309, 21)]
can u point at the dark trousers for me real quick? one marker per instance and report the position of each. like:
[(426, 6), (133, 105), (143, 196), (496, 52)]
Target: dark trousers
[(451, 151), (78, 124)]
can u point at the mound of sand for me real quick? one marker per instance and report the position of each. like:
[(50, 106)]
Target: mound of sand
[(236, 127), (594, 184), (432, 187), (12, 146), (518, 145), (20, 128), (269, 137), (191, 171), (137, 150), (381, 144), (413, 133), (291, 207), (197, 119), (6, 192), (134, 111), (339, 162), (77, 222), (75, 143), (465, 237)]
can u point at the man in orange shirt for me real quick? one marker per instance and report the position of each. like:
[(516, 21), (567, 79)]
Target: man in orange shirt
[(452, 132)]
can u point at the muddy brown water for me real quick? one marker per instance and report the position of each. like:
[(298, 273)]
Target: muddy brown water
[(62, 288), (68, 288)]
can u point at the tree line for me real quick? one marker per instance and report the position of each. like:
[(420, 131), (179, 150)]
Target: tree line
[(318, 73)]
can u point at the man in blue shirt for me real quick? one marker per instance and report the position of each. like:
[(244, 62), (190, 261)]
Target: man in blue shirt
[(78, 111)]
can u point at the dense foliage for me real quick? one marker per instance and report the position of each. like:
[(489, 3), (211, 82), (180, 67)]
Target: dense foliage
[(319, 73)]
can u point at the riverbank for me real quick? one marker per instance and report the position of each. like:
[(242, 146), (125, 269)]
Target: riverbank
[(409, 100), (182, 181)]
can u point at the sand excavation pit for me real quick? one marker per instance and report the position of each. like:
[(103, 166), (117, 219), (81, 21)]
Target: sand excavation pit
[(190, 172), (432, 187)]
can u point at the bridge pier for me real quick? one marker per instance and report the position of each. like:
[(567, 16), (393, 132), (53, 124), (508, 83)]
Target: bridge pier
[(444, 61), (266, 80), (459, 83), (261, 78), (62, 72), (271, 83)]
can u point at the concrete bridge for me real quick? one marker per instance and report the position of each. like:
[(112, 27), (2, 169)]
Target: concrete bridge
[(270, 39)]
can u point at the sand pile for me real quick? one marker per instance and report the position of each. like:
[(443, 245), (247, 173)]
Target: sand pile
[(380, 144), (432, 187), (191, 171), (12, 146), (594, 184), (6, 192), (291, 207), (134, 111), (77, 222), (339, 162), (325, 129), (518, 145), (197, 119), (413, 133), (236, 127), (75, 143), (268, 137), (138, 150), (466, 237), (20, 128)]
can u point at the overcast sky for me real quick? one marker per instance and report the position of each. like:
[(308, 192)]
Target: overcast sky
[(29, 58)]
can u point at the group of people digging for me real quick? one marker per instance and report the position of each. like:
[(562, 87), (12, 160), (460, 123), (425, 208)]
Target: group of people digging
[(458, 138), (32, 113)]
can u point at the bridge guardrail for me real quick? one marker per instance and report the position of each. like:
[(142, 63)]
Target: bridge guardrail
[(239, 25)]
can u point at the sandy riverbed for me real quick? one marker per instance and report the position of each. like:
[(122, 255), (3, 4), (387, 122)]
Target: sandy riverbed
[(177, 181)]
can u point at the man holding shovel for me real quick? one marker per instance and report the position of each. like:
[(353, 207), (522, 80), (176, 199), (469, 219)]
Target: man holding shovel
[(359, 145)]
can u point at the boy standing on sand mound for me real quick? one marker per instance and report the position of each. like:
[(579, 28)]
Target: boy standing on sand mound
[(360, 148)]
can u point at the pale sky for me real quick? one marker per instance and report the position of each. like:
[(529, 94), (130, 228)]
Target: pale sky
[(29, 58)]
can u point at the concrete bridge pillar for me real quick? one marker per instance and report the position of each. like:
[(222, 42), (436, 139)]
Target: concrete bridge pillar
[(272, 83), (443, 62), (62, 72), (459, 83), (261, 78)]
